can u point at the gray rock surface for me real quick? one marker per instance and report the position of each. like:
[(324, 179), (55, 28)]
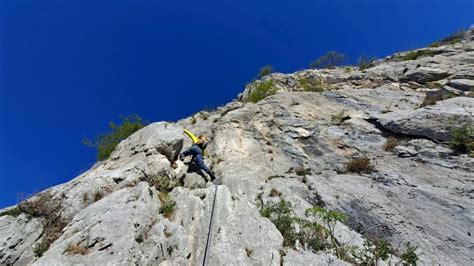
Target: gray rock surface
[(434, 122), (426, 74), (17, 236), (403, 151), (292, 146), (294, 257), (462, 84)]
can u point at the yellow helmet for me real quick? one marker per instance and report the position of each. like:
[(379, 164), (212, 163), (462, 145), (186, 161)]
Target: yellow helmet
[(202, 138)]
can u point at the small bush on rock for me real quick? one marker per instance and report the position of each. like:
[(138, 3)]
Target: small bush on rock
[(274, 193), (313, 85), (98, 195), (339, 117), (359, 165), (306, 232), (409, 256), (434, 85), (85, 197), (432, 97), (413, 55), (161, 181), (302, 171), (365, 62), (262, 90), (204, 115), (105, 143), (265, 71), (48, 208), (281, 215), (15, 212), (390, 144), (331, 59), (373, 251), (329, 218), (167, 209), (41, 247), (463, 139), (76, 249), (312, 234), (453, 39)]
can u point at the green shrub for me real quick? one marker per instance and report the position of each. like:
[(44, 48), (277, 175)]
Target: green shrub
[(314, 235), (373, 251), (105, 143), (359, 165), (413, 55), (462, 139), (281, 215), (265, 71), (434, 85), (365, 62), (331, 59), (409, 256), (452, 39), (15, 212), (167, 209), (41, 247), (383, 249), (330, 219), (161, 181), (261, 91), (314, 85)]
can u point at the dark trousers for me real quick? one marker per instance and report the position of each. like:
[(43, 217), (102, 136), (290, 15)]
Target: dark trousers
[(196, 152)]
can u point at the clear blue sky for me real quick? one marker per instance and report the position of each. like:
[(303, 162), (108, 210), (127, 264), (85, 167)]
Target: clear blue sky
[(69, 67)]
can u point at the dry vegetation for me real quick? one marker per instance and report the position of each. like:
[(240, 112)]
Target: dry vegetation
[(76, 249), (359, 165), (391, 143), (275, 193)]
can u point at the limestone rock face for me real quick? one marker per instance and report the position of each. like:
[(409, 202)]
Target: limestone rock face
[(462, 84), (17, 238), (426, 74), (294, 146), (434, 122)]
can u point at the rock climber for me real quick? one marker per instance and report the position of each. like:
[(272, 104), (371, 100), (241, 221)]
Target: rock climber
[(196, 151)]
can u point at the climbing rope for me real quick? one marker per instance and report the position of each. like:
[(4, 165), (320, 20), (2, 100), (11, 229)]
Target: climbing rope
[(210, 230)]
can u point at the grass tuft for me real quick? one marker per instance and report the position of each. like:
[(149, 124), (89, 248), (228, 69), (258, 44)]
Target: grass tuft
[(359, 165)]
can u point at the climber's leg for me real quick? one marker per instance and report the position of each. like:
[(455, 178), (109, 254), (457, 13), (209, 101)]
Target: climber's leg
[(187, 153), (202, 165)]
